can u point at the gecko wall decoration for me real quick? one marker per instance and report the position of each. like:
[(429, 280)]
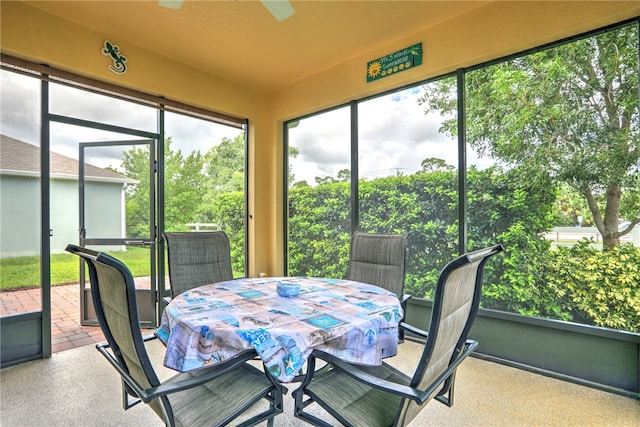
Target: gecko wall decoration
[(111, 50)]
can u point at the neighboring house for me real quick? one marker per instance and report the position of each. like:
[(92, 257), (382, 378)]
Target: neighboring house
[(105, 209)]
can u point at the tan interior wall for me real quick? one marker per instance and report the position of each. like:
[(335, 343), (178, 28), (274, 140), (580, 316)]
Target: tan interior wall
[(492, 31), (31, 34), (35, 35)]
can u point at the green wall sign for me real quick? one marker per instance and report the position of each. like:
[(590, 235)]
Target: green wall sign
[(394, 62)]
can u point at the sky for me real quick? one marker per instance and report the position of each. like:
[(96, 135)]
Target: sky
[(19, 118), (395, 135)]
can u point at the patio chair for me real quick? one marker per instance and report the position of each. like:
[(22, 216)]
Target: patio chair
[(215, 395), (379, 259), (197, 258), (383, 395)]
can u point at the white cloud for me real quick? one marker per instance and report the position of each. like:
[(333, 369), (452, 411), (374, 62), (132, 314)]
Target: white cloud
[(394, 137), (20, 107), (394, 133), (20, 118), (189, 134)]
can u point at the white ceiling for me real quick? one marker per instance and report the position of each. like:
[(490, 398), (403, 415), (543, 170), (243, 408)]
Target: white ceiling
[(242, 42)]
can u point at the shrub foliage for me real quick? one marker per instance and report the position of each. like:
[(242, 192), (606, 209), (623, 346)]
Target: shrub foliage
[(582, 283)]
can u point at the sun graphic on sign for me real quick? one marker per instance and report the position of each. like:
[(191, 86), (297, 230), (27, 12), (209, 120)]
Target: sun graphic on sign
[(374, 68)]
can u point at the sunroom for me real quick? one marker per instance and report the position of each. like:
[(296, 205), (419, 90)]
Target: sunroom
[(462, 124)]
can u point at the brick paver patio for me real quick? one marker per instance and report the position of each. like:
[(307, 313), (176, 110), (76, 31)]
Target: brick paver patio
[(66, 331)]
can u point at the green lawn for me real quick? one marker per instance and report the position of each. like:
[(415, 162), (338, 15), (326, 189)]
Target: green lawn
[(24, 272)]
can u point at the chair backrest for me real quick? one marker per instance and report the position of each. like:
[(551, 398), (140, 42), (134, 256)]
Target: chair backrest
[(378, 259), (114, 298), (197, 258), (455, 305)]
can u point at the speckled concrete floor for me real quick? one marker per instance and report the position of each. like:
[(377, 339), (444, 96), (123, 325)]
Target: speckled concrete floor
[(79, 388)]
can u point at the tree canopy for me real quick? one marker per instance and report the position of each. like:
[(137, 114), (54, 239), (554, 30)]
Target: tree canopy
[(192, 183), (570, 113)]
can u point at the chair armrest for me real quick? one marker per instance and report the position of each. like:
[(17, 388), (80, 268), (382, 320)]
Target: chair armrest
[(149, 337), (148, 394), (355, 372), (207, 375), (419, 396), (403, 306), (414, 330), (403, 300)]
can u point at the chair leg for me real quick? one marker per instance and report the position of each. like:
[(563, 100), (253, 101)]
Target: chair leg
[(447, 396), (299, 395), (126, 402), (299, 406)]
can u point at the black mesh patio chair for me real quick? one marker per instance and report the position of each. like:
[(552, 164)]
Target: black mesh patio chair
[(372, 396), (379, 259), (197, 258), (215, 395)]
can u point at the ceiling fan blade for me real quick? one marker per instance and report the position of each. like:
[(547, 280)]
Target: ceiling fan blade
[(171, 4), (280, 9)]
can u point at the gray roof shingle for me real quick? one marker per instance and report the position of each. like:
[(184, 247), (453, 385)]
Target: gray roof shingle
[(21, 158)]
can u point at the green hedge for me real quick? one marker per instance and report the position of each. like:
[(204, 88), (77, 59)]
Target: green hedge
[(599, 287), (582, 284)]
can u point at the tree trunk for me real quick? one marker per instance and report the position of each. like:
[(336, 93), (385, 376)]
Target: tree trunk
[(610, 234), (607, 226), (609, 241)]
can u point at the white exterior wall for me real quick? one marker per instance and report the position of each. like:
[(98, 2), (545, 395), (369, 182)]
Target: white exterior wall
[(20, 214)]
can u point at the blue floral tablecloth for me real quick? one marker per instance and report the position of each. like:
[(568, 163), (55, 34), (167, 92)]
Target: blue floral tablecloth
[(354, 321)]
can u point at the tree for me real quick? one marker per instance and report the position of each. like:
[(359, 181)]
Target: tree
[(432, 164), (183, 188), (344, 175), (225, 166), (571, 206), (570, 113), (183, 185), (291, 179), (320, 180), (135, 163)]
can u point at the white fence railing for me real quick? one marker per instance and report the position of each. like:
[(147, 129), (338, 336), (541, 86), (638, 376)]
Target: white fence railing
[(203, 226), (574, 234)]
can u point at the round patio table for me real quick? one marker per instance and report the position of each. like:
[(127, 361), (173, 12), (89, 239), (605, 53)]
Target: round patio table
[(354, 321)]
